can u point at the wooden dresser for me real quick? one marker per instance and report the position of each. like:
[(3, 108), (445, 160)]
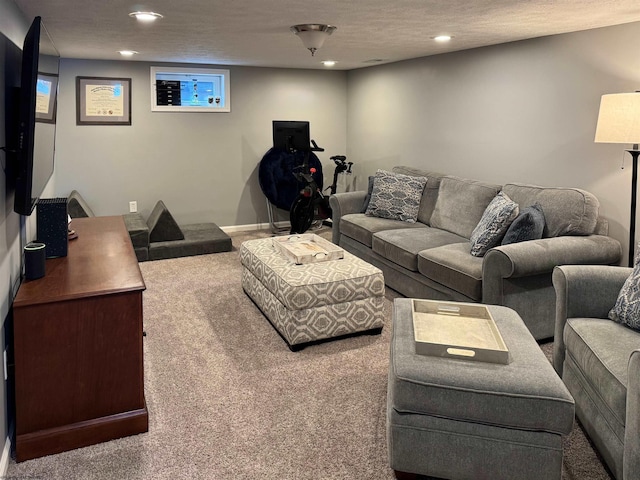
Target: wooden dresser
[(78, 333)]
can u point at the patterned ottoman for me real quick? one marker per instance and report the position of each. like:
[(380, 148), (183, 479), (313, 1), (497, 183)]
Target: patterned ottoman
[(316, 301)]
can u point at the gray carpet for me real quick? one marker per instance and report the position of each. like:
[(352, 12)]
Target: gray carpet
[(228, 400)]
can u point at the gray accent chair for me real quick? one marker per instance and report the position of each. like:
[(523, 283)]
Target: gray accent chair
[(599, 362), (431, 258)]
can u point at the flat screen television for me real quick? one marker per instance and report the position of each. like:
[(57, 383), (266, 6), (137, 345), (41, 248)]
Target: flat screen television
[(36, 117), (291, 136)]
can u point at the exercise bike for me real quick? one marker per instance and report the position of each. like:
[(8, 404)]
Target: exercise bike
[(311, 204)]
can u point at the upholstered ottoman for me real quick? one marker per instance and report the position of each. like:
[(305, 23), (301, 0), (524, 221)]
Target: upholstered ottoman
[(316, 301), (465, 419)]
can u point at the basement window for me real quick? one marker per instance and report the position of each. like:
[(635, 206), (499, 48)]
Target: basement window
[(179, 89)]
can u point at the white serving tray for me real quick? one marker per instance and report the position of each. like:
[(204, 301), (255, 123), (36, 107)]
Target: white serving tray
[(457, 330), (308, 248)]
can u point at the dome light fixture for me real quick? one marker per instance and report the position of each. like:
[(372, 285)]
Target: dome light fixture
[(146, 17), (313, 35)]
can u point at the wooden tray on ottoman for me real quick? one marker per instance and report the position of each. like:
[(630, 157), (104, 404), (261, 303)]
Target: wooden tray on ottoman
[(308, 248), (457, 330)]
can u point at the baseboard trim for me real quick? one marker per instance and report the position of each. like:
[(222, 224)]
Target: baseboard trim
[(6, 456), (251, 227)]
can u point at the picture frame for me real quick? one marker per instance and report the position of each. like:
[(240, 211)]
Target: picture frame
[(103, 101), (46, 97)]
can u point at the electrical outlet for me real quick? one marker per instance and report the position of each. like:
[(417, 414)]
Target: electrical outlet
[(133, 207)]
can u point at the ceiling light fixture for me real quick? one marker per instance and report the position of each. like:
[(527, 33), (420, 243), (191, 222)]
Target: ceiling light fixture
[(127, 53), (145, 16), (313, 35), (328, 63), (442, 38)]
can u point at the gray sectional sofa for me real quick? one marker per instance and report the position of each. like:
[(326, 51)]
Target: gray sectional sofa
[(431, 258), (599, 362)]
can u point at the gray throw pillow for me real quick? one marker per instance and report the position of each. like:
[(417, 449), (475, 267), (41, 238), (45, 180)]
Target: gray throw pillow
[(396, 196), (495, 221), (627, 307), (367, 199), (529, 225)]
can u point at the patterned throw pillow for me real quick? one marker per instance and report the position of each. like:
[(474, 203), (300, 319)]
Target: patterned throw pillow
[(529, 225), (495, 221), (627, 307), (396, 196)]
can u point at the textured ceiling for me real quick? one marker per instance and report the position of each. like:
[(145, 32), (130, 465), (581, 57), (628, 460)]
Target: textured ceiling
[(256, 32)]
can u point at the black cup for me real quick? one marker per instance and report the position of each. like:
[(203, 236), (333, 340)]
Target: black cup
[(35, 254)]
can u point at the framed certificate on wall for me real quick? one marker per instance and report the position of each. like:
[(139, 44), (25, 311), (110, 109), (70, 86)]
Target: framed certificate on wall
[(103, 101)]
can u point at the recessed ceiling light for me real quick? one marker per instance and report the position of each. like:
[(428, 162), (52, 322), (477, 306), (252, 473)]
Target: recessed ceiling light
[(127, 53), (329, 63), (145, 16), (442, 38)]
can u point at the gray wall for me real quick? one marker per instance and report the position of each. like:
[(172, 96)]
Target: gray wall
[(202, 165), (14, 26), (518, 112)]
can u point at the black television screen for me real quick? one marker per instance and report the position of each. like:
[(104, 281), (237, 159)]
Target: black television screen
[(291, 135), (37, 117)]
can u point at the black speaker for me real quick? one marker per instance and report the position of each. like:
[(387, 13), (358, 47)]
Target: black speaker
[(53, 226), (34, 260)]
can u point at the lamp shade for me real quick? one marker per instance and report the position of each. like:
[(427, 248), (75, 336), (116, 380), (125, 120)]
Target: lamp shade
[(313, 35), (619, 119)]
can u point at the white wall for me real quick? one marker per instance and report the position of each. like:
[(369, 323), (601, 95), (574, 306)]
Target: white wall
[(519, 112), (202, 165)]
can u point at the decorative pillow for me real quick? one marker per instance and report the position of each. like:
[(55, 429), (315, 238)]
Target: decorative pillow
[(627, 308), (396, 196), (495, 221), (529, 225), (367, 199)]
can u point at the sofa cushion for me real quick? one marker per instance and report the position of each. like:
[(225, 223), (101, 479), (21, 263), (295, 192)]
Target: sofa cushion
[(199, 239), (600, 350), (461, 203), (567, 211), (138, 230), (529, 225), (494, 223), (402, 246), (627, 307), (361, 227), (454, 267), (77, 207), (396, 196), (162, 226), (430, 193)]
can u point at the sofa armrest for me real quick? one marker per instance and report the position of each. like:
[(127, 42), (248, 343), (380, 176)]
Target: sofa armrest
[(587, 291), (631, 459), (342, 204), (541, 256)]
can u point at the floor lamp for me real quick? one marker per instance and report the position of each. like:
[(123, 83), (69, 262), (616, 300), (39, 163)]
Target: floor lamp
[(619, 122)]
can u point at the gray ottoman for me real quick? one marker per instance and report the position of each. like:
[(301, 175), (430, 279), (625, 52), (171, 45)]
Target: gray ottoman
[(463, 419), (312, 302)]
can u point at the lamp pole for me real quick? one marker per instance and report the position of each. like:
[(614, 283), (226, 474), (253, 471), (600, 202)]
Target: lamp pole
[(634, 192)]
